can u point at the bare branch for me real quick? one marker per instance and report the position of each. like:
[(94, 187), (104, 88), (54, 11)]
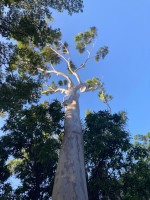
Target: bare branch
[(108, 107), (50, 89)]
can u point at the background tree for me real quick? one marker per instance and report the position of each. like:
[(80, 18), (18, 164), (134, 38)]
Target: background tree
[(106, 143), (116, 168), (5, 187), (27, 19), (32, 141), (136, 178)]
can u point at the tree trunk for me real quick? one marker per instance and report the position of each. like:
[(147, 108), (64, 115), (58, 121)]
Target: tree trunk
[(70, 181)]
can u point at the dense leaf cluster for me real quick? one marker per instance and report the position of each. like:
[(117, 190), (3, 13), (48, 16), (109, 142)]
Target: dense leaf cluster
[(32, 141), (116, 168)]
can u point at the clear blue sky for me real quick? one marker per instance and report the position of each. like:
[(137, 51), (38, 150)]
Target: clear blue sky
[(123, 25)]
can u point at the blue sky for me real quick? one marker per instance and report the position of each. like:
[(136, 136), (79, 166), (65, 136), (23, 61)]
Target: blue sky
[(123, 25)]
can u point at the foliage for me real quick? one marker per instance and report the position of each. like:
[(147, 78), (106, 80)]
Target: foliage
[(15, 92), (22, 20), (25, 28), (5, 188), (106, 141), (116, 168), (31, 140), (136, 178)]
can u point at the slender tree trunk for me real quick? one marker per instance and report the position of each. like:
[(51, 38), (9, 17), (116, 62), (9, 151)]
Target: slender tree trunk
[(70, 181)]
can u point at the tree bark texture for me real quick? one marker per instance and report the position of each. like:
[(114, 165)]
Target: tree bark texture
[(70, 181)]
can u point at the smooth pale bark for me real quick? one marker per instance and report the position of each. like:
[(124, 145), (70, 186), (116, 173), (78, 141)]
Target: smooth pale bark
[(70, 181)]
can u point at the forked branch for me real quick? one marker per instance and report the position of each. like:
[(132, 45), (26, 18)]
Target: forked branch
[(57, 73), (88, 58), (68, 62)]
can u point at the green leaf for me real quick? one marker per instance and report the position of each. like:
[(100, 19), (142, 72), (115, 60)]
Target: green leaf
[(65, 82), (60, 83)]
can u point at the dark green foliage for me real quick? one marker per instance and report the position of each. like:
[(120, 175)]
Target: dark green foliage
[(26, 21), (64, 48), (16, 92), (50, 56), (60, 83), (5, 188), (65, 82), (72, 66), (101, 53), (53, 85), (31, 140), (103, 150), (136, 182), (116, 168), (136, 179)]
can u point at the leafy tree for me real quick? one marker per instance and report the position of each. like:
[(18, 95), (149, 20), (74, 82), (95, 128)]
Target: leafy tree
[(5, 188), (71, 160), (106, 142), (39, 62), (116, 168), (26, 22), (26, 19), (16, 91), (32, 142), (136, 179)]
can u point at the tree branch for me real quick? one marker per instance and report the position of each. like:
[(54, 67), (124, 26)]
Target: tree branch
[(58, 73), (68, 62), (88, 58), (50, 89)]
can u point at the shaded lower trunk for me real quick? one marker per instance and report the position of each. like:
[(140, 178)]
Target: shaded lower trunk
[(70, 181)]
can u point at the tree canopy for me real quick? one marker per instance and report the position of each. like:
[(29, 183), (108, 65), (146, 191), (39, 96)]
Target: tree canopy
[(32, 141), (115, 167), (22, 20), (25, 25)]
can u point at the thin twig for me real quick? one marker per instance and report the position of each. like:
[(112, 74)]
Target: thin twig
[(88, 58)]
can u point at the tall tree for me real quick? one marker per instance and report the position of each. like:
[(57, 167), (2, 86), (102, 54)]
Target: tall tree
[(41, 61)]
